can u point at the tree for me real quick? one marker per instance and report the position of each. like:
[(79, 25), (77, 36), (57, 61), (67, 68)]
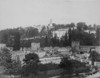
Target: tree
[(83, 37), (4, 36), (16, 41), (70, 37), (88, 39), (98, 36), (11, 66), (94, 56), (55, 41), (25, 43), (81, 26), (66, 64), (47, 41), (31, 58), (73, 66), (66, 39), (5, 56), (10, 41), (72, 25), (31, 64), (43, 31), (31, 32), (61, 41)]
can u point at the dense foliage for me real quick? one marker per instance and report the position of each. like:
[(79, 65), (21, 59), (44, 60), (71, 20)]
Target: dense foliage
[(11, 66), (73, 34), (94, 56), (5, 57), (20, 37), (31, 64), (73, 66)]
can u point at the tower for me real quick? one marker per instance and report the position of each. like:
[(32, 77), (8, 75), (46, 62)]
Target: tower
[(50, 24)]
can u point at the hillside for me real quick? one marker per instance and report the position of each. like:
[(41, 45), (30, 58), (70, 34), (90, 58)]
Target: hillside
[(86, 34)]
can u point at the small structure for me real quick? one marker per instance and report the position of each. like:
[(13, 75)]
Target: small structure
[(35, 46), (75, 45), (2, 45), (87, 48)]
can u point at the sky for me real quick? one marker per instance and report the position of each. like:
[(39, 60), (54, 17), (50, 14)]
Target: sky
[(16, 13)]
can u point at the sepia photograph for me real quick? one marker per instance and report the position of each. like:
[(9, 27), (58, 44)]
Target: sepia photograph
[(49, 38)]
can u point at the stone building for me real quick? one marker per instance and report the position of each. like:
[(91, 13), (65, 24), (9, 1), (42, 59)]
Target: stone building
[(35, 46), (2, 45), (75, 45)]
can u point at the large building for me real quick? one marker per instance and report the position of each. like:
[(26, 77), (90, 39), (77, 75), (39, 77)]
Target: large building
[(60, 32)]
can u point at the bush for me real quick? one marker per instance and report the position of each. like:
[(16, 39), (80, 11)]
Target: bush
[(49, 66), (73, 66)]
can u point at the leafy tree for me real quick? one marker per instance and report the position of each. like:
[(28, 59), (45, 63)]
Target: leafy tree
[(81, 26), (83, 37), (42, 42), (16, 41), (11, 66), (66, 64), (72, 25), (47, 41), (4, 36), (25, 43), (62, 41), (5, 56), (70, 36), (10, 41), (31, 64), (94, 56), (66, 39), (98, 36), (58, 26), (49, 66), (31, 58), (89, 39), (55, 41), (43, 31), (73, 66), (31, 32)]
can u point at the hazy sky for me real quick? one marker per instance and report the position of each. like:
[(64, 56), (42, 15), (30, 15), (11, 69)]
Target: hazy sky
[(15, 13)]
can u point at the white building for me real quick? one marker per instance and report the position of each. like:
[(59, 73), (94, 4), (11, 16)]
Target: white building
[(60, 32)]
